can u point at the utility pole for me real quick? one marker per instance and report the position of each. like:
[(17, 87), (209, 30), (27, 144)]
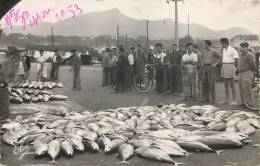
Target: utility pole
[(117, 35), (188, 24), (147, 34), (126, 41), (176, 36), (52, 37)]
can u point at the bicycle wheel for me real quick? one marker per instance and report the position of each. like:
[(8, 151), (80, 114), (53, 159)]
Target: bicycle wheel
[(144, 86), (252, 100)]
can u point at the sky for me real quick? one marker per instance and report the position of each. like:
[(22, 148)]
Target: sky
[(215, 14)]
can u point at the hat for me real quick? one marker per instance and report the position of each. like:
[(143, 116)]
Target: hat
[(188, 44), (244, 44)]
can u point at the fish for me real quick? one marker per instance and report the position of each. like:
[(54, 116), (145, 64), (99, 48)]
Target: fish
[(35, 99), (168, 149), (40, 148), (93, 127), (217, 126), (15, 100), (46, 98), (76, 141), (89, 135), (125, 151), (103, 141), (254, 122), (9, 138), (155, 154), (59, 85), (113, 145), (92, 145), (138, 143), (26, 98), (67, 147), (54, 149), (59, 97)]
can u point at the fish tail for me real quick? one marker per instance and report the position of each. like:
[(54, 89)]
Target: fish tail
[(177, 163), (123, 162), (219, 151)]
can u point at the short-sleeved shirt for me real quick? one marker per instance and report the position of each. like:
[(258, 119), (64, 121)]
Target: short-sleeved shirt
[(190, 68), (229, 55), (160, 57), (210, 56), (246, 63), (131, 59)]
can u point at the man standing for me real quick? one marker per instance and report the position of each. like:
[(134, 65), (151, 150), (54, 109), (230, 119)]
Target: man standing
[(159, 59), (175, 70), (131, 58), (106, 68), (210, 60), (113, 67), (140, 64), (122, 65), (41, 68), (76, 66), (228, 70), (27, 65), (55, 65), (189, 61), (246, 67)]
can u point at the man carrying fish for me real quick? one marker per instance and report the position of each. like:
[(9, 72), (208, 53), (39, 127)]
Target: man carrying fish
[(210, 60), (246, 67), (228, 70)]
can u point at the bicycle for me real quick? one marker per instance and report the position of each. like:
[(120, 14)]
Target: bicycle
[(253, 101), (148, 79)]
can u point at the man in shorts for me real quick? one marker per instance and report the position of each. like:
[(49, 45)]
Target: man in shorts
[(228, 70)]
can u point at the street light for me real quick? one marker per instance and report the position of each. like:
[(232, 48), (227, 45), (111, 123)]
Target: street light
[(176, 37)]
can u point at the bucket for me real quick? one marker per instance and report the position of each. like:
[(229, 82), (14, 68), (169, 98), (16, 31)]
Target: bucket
[(4, 102)]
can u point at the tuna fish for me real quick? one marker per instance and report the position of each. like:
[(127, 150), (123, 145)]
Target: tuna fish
[(67, 148), (54, 149), (125, 151)]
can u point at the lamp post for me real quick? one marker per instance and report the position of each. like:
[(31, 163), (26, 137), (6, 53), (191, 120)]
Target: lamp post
[(176, 37)]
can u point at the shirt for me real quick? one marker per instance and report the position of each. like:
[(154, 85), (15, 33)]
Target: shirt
[(210, 56), (246, 63), (229, 55), (160, 56), (192, 58), (131, 59), (106, 60), (175, 57)]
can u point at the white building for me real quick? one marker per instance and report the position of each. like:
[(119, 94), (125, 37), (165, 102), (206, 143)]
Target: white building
[(252, 40)]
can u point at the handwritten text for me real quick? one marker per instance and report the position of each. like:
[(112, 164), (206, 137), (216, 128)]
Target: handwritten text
[(25, 18)]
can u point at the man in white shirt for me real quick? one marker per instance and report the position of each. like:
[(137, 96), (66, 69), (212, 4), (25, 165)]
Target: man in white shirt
[(161, 75), (131, 58), (189, 61), (228, 70)]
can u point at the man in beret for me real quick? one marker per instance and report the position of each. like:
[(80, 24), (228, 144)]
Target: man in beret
[(246, 67), (189, 61), (228, 70), (210, 59)]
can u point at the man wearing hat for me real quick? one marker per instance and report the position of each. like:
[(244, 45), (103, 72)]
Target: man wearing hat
[(246, 67), (106, 67), (56, 61), (189, 61)]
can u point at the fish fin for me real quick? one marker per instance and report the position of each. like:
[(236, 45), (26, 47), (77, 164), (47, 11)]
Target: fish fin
[(123, 162), (177, 163), (219, 151)]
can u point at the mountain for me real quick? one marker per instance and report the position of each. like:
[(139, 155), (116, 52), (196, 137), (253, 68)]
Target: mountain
[(105, 23)]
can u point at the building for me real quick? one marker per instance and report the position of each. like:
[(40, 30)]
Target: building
[(253, 41)]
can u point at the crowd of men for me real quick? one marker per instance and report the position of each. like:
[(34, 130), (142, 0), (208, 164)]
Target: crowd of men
[(189, 71)]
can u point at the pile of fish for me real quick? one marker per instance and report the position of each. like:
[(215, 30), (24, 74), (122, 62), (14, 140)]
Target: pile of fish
[(20, 95), (160, 132), (37, 85)]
